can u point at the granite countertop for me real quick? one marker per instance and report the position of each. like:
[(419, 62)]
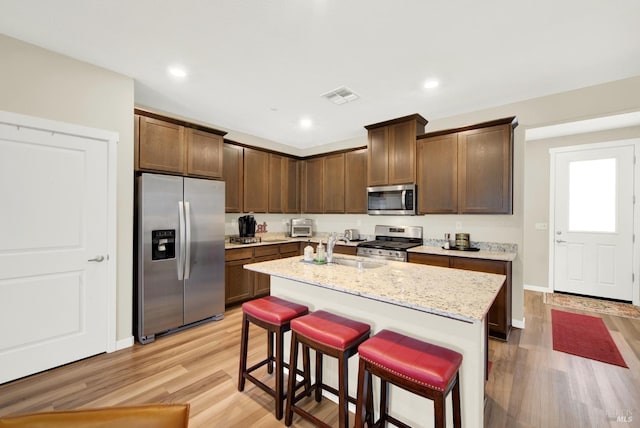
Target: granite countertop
[(506, 256), (453, 293), (281, 239)]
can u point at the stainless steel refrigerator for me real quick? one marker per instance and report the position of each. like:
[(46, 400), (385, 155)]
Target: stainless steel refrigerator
[(180, 260)]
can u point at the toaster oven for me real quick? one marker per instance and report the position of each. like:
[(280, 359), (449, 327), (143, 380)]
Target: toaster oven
[(301, 227)]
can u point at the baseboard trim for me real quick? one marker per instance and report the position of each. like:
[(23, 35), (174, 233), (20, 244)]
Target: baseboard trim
[(538, 288), (518, 323), (124, 343)]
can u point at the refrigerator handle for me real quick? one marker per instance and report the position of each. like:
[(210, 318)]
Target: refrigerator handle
[(187, 252), (181, 237)]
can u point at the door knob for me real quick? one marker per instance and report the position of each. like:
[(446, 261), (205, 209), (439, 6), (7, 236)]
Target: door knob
[(96, 259)]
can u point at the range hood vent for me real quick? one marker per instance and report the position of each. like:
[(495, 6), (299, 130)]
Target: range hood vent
[(341, 95)]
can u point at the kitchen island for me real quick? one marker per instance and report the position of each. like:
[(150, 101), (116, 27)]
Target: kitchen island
[(443, 306)]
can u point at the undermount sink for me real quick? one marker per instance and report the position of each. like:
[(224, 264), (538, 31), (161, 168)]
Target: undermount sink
[(357, 263)]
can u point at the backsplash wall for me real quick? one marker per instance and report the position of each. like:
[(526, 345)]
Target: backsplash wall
[(486, 228)]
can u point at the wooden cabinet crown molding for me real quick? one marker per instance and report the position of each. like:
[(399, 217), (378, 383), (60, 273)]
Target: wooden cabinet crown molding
[(511, 120), (179, 122), (419, 119)]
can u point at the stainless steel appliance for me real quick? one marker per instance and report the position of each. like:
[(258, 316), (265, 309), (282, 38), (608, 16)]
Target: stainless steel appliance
[(301, 227), (391, 243), (352, 234), (392, 200), (180, 260)]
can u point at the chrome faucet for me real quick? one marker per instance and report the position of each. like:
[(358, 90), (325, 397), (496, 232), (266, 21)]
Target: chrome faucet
[(331, 242)]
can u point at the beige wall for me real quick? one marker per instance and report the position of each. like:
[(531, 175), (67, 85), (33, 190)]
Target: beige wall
[(40, 83), (536, 191)]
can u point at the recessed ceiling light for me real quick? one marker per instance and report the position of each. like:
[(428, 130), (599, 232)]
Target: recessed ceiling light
[(179, 72), (430, 84), (305, 123)]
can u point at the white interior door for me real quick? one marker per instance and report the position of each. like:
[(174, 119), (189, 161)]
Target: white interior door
[(593, 222), (54, 242)]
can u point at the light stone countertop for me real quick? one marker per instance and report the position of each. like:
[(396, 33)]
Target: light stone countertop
[(281, 239), (458, 294), (482, 254), (275, 239)]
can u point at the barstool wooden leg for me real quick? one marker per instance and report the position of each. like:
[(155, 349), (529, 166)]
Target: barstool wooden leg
[(362, 395), (291, 388), (306, 370), (384, 406), (439, 417), (279, 392), (270, 335), (244, 339), (455, 396), (318, 390), (343, 391)]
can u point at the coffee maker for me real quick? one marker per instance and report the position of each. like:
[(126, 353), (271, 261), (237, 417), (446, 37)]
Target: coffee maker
[(246, 226)]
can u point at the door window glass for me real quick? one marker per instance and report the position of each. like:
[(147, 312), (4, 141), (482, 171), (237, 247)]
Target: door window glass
[(592, 195)]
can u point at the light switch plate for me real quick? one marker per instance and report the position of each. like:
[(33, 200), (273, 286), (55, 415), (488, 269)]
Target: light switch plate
[(458, 225)]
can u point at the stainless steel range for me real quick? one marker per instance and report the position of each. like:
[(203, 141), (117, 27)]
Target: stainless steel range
[(391, 243)]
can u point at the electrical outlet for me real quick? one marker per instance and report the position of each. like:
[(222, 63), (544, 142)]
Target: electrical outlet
[(458, 225)]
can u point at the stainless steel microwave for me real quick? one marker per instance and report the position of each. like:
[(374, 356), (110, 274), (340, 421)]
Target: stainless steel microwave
[(392, 200)]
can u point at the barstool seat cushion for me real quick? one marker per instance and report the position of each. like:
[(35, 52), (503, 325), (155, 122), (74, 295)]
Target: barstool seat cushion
[(274, 310), (417, 361), (330, 329)]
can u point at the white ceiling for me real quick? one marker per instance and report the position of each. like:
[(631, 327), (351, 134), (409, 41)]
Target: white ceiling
[(259, 66)]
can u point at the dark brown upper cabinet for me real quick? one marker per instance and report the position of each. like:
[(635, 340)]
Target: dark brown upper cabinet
[(233, 175), (256, 181), (391, 151), (333, 184), (204, 153), (173, 146), (467, 170), (355, 182), (312, 185), (291, 182)]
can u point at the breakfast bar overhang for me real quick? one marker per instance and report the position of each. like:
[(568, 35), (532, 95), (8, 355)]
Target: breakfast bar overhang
[(443, 306)]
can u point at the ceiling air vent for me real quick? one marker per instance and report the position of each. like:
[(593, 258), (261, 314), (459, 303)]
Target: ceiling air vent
[(342, 95)]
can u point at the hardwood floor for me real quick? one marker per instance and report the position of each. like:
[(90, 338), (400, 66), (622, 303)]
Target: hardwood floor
[(530, 385)]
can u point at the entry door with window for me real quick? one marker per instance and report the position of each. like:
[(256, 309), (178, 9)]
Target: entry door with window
[(593, 222)]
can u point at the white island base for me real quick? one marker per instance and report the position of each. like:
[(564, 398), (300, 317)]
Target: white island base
[(467, 338)]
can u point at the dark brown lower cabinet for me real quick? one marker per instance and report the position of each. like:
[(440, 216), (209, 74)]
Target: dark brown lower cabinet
[(499, 317), (345, 249), (242, 284), (237, 280), (261, 281)]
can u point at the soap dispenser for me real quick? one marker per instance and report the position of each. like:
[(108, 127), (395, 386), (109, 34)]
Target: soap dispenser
[(308, 252), (320, 253)]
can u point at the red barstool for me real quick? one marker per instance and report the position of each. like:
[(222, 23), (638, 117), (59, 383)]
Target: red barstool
[(332, 335), (424, 369), (274, 315)]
